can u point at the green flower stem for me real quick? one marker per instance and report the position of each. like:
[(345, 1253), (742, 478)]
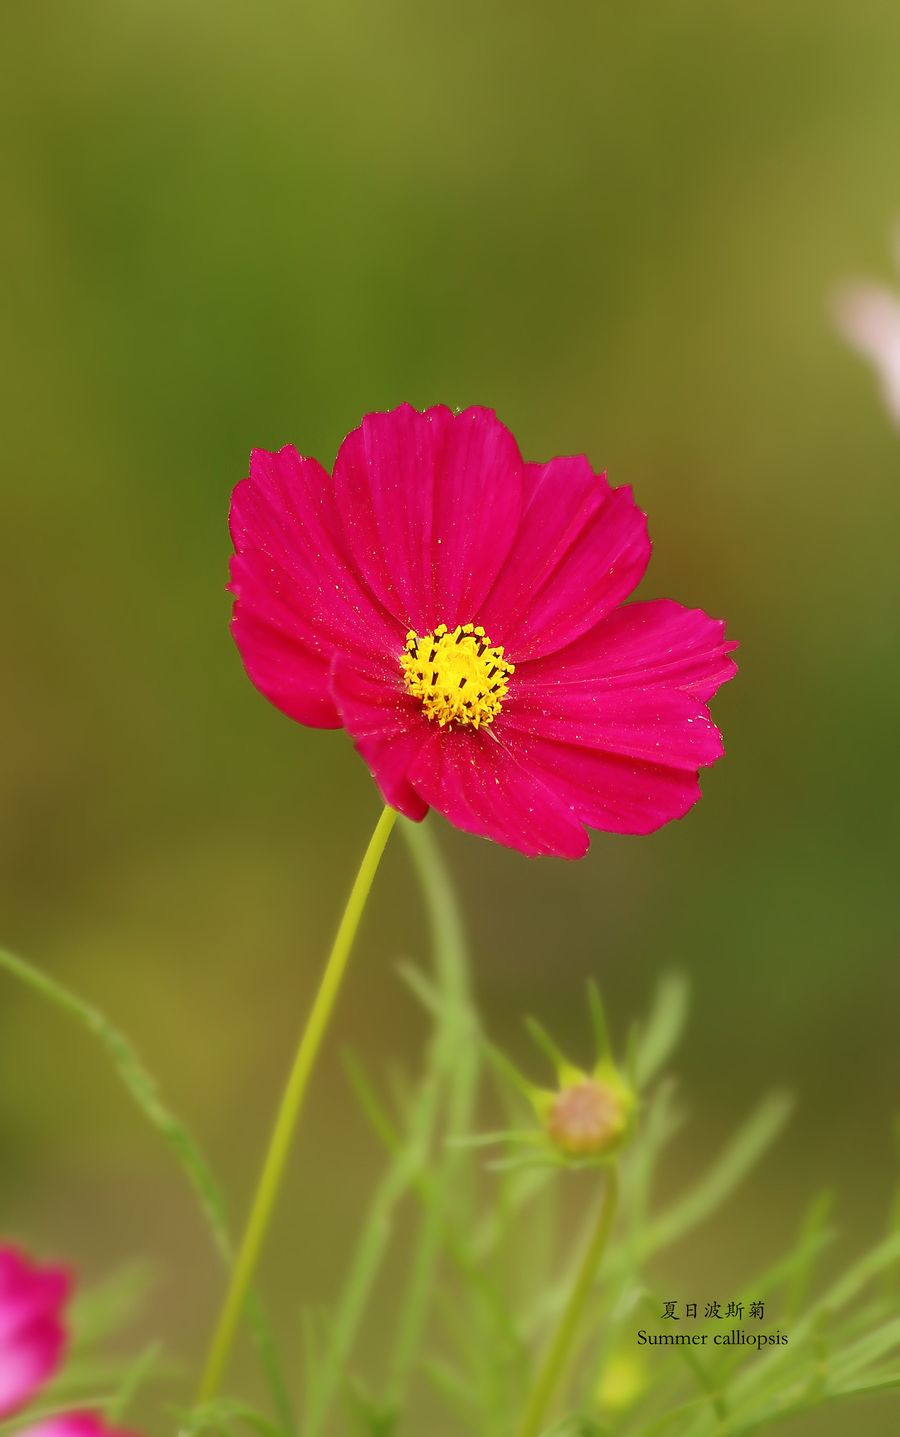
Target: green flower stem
[(289, 1111), (560, 1348)]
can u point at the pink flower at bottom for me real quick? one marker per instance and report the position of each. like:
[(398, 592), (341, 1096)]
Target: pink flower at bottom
[(73, 1424), (32, 1333), (32, 1343), (460, 613)]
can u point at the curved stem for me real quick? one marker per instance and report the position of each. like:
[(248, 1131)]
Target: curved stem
[(289, 1111), (560, 1348)]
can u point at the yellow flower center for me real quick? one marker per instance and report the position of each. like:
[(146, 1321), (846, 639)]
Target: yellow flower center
[(459, 675)]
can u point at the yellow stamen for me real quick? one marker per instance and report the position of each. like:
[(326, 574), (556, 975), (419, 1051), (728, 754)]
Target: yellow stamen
[(459, 675)]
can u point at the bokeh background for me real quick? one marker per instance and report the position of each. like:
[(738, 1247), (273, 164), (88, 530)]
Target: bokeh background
[(619, 225)]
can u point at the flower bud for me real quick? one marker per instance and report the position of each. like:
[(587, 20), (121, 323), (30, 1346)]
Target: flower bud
[(587, 1118)]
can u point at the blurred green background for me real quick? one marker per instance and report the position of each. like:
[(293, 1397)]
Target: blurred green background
[(618, 224)]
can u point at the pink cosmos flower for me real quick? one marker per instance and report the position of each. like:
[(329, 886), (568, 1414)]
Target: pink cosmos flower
[(32, 1342), (460, 613), (73, 1424), (868, 316), (32, 1335)]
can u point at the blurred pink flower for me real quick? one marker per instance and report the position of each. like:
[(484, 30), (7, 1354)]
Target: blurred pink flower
[(32, 1335), (460, 613), (32, 1342), (73, 1424), (868, 316)]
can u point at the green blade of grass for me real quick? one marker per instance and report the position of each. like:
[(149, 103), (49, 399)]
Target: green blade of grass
[(744, 1151), (144, 1091), (139, 1083), (660, 1034)]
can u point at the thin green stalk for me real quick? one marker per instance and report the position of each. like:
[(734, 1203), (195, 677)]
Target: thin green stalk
[(451, 1065), (289, 1112), (560, 1348), (456, 1058)]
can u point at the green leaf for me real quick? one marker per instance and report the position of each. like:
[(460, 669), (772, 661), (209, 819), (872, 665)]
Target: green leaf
[(139, 1083), (144, 1091), (779, 1379), (548, 1046), (222, 1416), (741, 1155), (134, 1377), (107, 1306), (659, 1036), (454, 1388), (447, 1088), (814, 1236), (598, 1022), (852, 1360), (270, 1361)]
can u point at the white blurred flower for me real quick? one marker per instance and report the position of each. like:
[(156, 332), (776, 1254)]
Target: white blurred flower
[(868, 316)]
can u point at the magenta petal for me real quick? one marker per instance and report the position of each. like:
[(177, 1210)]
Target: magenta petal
[(617, 721), (73, 1424), (298, 598), (607, 791), (480, 786), (655, 725), (581, 548), (654, 643), (32, 1334), (386, 726), (291, 676), (429, 503)]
